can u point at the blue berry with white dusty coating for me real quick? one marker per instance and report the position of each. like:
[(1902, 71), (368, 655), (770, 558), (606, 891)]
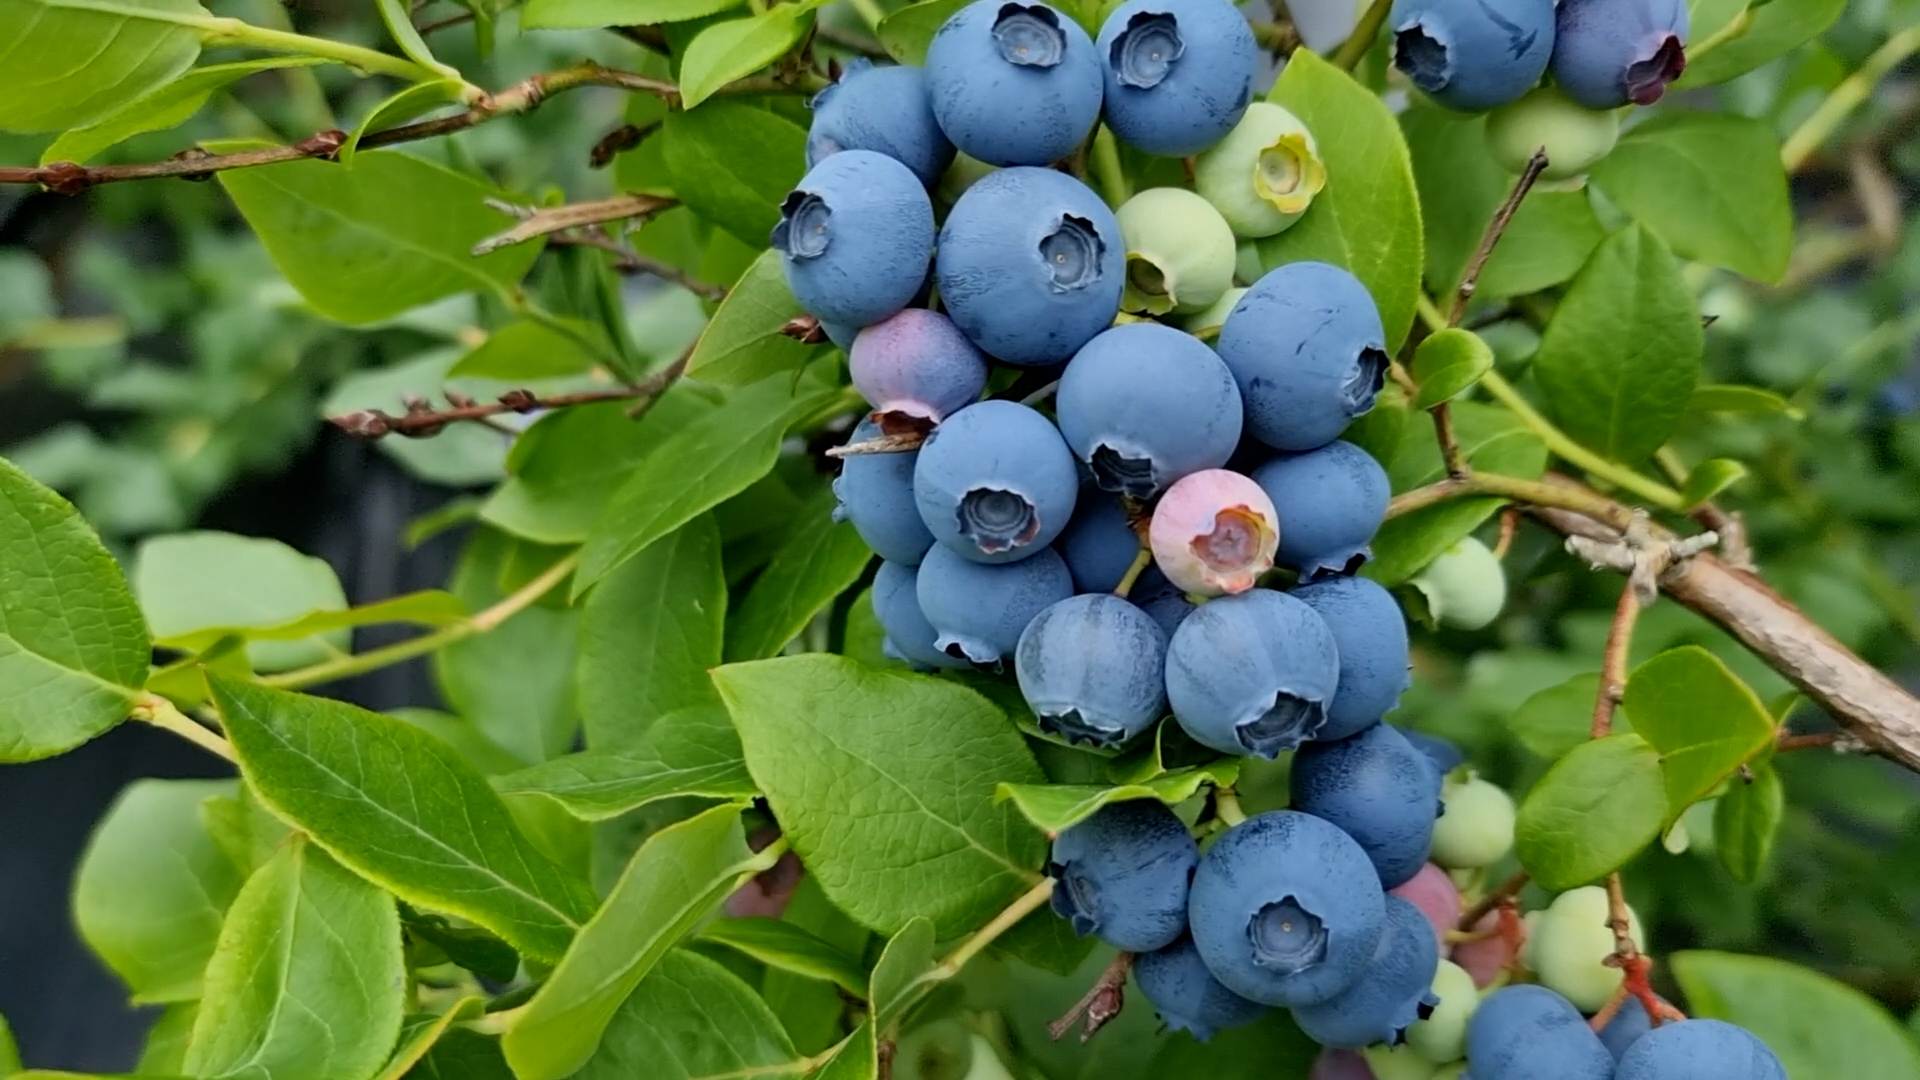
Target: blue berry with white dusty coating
[(1178, 73), (1031, 265), (855, 237), (1091, 668), (1013, 83), (875, 492), (1629, 1022), (1378, 789), (1699, 1050), (1472, 57), (1122, 875), (915, 368), (896, 604), (1285, 909), (1530, 1032), (1371, 635), (1162, 600), (1393, 993), (1144, 405), (1099, 545), (995, 482), (978, 611), (1253, 673), (1445, 755), (1187, 996), (1331, 501), (1609, 53), (1307, 347), (882, 108)]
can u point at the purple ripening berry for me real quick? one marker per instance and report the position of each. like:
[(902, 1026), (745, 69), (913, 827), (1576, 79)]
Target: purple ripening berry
[(1607, 53), (915, 367)]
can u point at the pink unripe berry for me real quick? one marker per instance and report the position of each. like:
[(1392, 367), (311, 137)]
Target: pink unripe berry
[(1486, 957), (915, 368), (1433, 892), (1335, 1064), (1214, 533)]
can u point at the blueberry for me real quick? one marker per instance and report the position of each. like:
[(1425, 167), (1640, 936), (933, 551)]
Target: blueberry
[(1213, 533), (1700, 1050), (1252, 674), (1472, 57), (1122, 875), (978, 610), (883, 109), (1285, 909), (1336, 1064), (1099, 544), (1477, 829), (1465, 587), (896, 604), (1530, 1032), (1264, 174), (1379, 789), (1331, 501), (1144, 405), (1568, 945), (915, 367), (1629, 1022), (1092, 669), (1013, 83), (1445, 756), (995, 482), (1180, 252), (1178, 73), (1161, 600), (1607, 53), (1574, 138), (1031, 265), (1372, 638), (1441, 1036), (841, 334), (1392, 993), (1186, 994), (1206, 325), (876, 494), (1307, 348), (855, 237)]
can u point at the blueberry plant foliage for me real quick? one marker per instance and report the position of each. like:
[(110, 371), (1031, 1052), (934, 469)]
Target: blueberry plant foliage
[(701, 803)]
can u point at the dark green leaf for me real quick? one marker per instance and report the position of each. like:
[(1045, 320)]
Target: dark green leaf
[(70, 63), (820, 560), (398, 108), (691, 1019), (737, 48), (744, 344), (420, 1034), (166, 107), (516, 681), (1559, 718), (592, 14), (1493, 439), (1054, 807), (1819, 1027), (1447, 363), (789, 948), (398, 15), (1270, 1047), (1595, 809), (907, 32), (1702, 719), (691, 751), (1710, 478), (528, 350), (1546, 243), (196, 587), (1745, 821), (1779, 27), (899, 976), (856, 1058), (733, 163), (469, 947)]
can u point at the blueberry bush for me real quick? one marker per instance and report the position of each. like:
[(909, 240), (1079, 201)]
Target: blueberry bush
[(1109, 540)]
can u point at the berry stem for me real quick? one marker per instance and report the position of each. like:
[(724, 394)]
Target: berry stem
[(1365, 33), (1502, 894), (161, 713), (1111, 177), (1226, 806), (1140, 563), (1102, 1002), (1613, 667), (1842, 99), (1028, 902)]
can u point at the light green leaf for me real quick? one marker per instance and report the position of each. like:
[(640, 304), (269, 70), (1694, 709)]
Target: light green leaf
[(367, 242), (1559, 718), (419, 1034), (70, 62), (743, 343), (1745, 821), (1733, 398), (402, 809), (1710, 478), (526, 350), (167, 1039), (691, 751), (400, 107), (676, 878), (463, 455), (692, 1019), (1491, 438), (737, 48), (1779, 27), (821, 559), (907, 32), (9, 1053), (1819, 1027), (1056, 807), (462, 1054), (308, 954), (195, 587), (72, 643), (1548, 240), (1368, 218), (1621, 355), (1271, 1047), (1708, 183), (428, 607), (1447, 363), (398, 16), (856, 1058), (733, 163), (1595, 808), (789, 948), (593, 14), (898, 979), (169, 106), (1702, 719), (884, 783)]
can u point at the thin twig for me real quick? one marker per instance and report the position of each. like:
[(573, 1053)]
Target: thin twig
[(1102, 1003), (655, 386), (161, 713), (627, 260), (1496, 228), (450, 21), (1505, 891), (422, 420), (885, 444), (536, 222), (1613, 665), (1531, 492)]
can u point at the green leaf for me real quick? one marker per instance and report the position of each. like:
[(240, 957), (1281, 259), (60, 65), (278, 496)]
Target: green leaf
[(1548, 240), (1056, 807), (821, 559), (1819, 1027), (169, 106), (428, 607), (1447, 363), (1745, 821), (153, 887), (196, 587), (9, 1053), (737, 48), (1708, 183), (167, 1040), (1733, 398), (528, 350), (402, 809), (1272, 1047), (1592, 811), (743, 344), (72, 643), (461, 1054), (398, 16), (700, 466), (1555, 720), (308, 980), (1702, 719), (898, 979), (691, 751), (733, 163), (419, 1034), (1779, 27), (692, 1019), (469, 947), (884, 783), (593, 14), (1620, 357), (398, 108), (907, 32), (1368, 218), (789, 948), (463, 455), (367, 242), (856, 1058), (1491, 438), (70, 62), (676, 878), (1710, 478)]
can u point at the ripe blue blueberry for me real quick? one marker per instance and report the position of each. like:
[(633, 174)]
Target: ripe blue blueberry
[(1179, 73), (1099, 545), (855, 237), (1144, 405), (1331, 501), (1122, 875), (1162, 600), (1031, 265), (896, 604), (1308, 350), (978, 611), (875, 492), (1527, 1032), (1253, 673), (1699, 1050), (1392, 993), (841, 334), (1285, 909), (882, 109), (1377, 788), (1440, 750), (1371, 635), (1607, 53), (995, 482), (1013, 83), (1472, 57), (1629, 1022), (1091, 668), (915, 368), (1186, 994)]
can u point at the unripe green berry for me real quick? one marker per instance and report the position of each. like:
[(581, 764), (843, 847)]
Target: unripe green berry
[(1465, 587), (1264, 174), (1477, 829), (960, 176), (1569, 942), (1206, 325), (1442, 1036), (1179, 252), (1451, 1072), (1574, 137), (1397, 1063), (1246, 263)]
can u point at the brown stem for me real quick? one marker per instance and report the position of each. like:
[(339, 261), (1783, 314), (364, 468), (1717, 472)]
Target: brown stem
[(629, 261), (1531, 492), (536, 222), (1450, 453), (1495, 229), (1102, 1003), (1505, 891), (422, 420), (450, 21), (1613, 666), (1818, 741)]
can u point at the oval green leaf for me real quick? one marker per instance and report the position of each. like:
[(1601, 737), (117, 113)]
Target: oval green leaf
[(1819, 1027), (1702, 719), (743, 343), (737, 48), (71, 62), (732, 164), (788, 947), (821, 559), (692, 1019), (1595, 808), (1447, 363), (1745, 821), (691, 751)]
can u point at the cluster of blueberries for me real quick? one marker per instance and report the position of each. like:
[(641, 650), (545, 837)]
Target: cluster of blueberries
[(1603, 54)]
